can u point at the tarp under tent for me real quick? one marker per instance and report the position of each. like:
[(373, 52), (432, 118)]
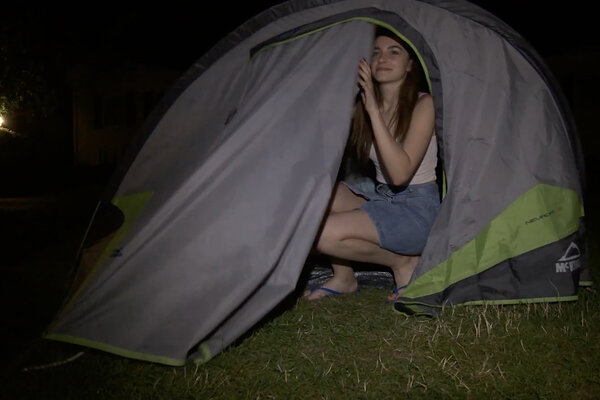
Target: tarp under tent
[(224, 189)]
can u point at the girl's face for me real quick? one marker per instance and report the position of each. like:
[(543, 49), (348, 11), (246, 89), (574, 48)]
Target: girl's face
[(390, 61)]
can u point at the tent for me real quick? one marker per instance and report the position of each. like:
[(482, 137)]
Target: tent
[(223, 191)]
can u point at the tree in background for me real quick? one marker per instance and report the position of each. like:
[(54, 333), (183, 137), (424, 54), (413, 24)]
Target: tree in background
[(29, 80)]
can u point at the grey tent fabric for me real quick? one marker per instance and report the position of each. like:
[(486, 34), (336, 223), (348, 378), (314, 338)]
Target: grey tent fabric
[(224, 190), (246, 219)]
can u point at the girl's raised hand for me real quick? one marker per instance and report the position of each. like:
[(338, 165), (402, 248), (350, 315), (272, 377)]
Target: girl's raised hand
[(365, 82)]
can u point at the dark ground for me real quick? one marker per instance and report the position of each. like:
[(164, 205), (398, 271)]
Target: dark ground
[(40, 241)]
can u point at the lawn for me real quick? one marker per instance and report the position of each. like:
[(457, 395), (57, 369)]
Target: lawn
[(351, 347)]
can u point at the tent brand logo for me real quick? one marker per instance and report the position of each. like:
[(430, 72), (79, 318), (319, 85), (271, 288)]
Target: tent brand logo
[(539, 217), (570, 260)]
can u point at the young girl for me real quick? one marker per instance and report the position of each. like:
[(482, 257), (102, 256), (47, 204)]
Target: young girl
[(385, 220)]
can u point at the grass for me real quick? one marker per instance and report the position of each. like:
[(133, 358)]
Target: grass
[(355, 347), (351, 347)]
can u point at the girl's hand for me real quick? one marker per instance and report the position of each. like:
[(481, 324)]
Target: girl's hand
[(367, 91)]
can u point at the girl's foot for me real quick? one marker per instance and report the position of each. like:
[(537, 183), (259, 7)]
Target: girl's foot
[(402, 271), (333, 287), (396, 293)]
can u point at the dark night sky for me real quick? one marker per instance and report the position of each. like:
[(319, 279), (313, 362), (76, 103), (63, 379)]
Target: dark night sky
[(183, 35), (178, 35)]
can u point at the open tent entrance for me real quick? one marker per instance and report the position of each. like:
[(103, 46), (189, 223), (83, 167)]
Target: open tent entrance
[(317, 269)]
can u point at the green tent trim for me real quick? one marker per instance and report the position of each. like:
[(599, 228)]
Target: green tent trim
[(367, 19), (204, 356), (116, 350)]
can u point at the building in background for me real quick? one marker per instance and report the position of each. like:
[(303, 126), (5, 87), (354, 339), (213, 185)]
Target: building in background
[(110, 106)]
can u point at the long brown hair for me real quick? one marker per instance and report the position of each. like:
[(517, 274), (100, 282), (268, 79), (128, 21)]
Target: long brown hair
[(361, 136)]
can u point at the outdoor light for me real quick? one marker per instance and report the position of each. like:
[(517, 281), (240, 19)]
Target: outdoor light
[(1, 121)]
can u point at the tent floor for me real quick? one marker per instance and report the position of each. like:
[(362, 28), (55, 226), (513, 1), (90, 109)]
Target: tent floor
[(319, 271)]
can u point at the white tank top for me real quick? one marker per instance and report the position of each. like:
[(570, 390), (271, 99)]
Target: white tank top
[(425, 172)]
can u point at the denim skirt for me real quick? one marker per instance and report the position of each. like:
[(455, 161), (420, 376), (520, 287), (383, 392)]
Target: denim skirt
[(402, 215)]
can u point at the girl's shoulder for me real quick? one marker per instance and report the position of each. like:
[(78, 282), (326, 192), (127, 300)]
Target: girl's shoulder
[(424, 106), (424, 98)]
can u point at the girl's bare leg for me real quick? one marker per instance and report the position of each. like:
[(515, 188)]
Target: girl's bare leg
[(343, 280), (351, 235)]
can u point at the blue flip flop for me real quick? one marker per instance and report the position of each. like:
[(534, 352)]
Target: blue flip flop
[(330, 291), (396, 291)]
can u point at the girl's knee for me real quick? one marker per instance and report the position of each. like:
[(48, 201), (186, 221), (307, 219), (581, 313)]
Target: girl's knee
[(327, 241)]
